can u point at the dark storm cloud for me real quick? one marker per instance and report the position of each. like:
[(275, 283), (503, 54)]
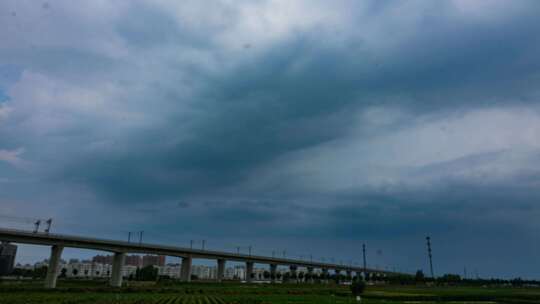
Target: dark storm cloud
[(241, 123), (477, 206), (206, 125), (283, 100)]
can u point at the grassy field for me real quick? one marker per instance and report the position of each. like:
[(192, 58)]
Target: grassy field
[(203, 293)]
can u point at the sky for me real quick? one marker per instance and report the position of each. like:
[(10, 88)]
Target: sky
[(310, 127)]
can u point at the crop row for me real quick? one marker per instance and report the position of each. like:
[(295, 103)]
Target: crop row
[(190, 300)]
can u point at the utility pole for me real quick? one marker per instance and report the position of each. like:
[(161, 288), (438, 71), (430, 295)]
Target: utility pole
[(49, 222), (249, 248), (284, 253), (140, 237), (428, 240), (190, 244), (238, 250), (364, 253), (203, 244), (36, 228), (129, 236)]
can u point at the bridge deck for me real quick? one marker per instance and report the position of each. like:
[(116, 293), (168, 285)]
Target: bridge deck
[(49, 239)]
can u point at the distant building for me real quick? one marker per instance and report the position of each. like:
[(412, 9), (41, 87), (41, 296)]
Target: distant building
[(103, 259), (172, 271), (203, 272), (25, 266), (154, 260), (95, 270), (239, 272), (88, 270), (134, 260), (229, 273), (129, 270), (131, 260), (7, 258)]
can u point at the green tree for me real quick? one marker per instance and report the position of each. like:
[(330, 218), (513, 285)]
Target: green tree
[(40, 272), (358, 287), (19, 272), (148, 273), (287, 276), (293, 275)]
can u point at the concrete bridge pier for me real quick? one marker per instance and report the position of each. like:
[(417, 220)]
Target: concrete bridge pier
[(273, 272), (185, 270), (220, 270), (116, 275), (249, 272), (54, 263)]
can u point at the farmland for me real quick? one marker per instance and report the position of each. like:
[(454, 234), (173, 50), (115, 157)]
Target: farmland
[(209, 293)]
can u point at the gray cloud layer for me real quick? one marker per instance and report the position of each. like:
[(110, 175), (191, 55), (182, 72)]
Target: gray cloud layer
[(324, 123)]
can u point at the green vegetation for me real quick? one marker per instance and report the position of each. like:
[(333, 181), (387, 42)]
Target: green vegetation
[(357, 287), (148, 273), (97, 292)]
